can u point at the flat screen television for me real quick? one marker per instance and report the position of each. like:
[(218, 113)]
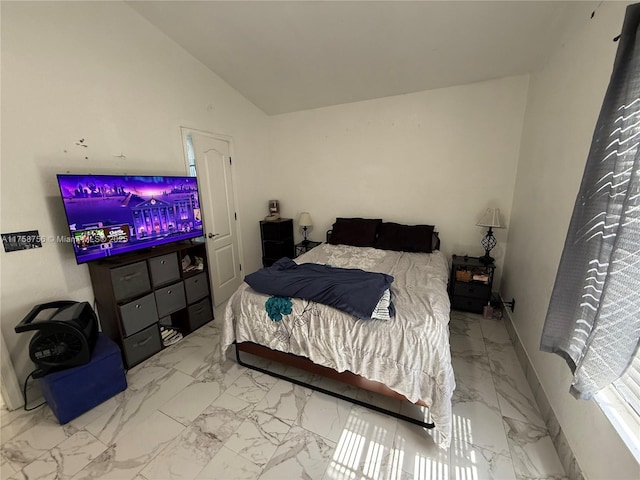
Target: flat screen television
[(114, 214)]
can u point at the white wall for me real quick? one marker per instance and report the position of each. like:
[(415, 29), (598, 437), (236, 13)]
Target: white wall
[(437, 157), (562, 109), (99, 71)]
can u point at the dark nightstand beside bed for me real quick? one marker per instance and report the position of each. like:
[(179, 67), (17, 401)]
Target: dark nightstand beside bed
[(470, 283), (304, 247)]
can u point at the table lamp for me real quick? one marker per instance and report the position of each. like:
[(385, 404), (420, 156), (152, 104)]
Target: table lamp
[(304, 220), (491, 219)]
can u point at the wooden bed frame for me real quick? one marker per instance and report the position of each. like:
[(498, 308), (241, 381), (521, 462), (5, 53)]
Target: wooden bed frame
[(346, 377)]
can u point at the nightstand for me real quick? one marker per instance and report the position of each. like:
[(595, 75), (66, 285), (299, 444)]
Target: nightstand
[(470, 283), (277, 240), (304, 247)]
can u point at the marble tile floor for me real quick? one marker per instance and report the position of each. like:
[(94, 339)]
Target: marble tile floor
[(190, 414)]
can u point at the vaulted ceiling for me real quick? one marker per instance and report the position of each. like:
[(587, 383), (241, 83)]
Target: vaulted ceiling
[(296, 55)]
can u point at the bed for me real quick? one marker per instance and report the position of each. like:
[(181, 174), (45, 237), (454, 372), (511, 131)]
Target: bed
[(407, 356)]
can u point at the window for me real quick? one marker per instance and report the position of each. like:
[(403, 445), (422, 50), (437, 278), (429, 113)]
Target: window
[(628, 385), (593, 321), (191, 155), (620, 402)]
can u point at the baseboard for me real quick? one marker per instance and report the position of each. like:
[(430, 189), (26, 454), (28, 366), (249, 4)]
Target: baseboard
[(568, 459)]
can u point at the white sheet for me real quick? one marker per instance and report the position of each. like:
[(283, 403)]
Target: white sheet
[(409, 353)]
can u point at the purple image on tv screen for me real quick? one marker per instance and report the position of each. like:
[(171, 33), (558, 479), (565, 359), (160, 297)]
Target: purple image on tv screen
[(114, 214)]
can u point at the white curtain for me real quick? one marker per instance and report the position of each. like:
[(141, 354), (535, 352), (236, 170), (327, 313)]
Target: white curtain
[(593, 320)]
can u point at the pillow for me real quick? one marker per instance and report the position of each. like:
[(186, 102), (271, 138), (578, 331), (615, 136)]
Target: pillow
[(359, 232), (405, 238), (435, 241)]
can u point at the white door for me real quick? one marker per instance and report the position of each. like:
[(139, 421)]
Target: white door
[(213, 167)]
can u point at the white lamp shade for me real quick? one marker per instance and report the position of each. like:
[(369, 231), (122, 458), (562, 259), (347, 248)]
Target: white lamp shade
[(304, 220), (491, 218)]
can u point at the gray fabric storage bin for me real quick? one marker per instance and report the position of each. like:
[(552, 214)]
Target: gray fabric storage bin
[(196, 287), (170, 299), (164, 269), (200, 313), (130, 280), (142, 345), (138, 314)]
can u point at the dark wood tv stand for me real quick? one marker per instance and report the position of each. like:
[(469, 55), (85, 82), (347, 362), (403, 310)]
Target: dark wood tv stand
[(136, 293)]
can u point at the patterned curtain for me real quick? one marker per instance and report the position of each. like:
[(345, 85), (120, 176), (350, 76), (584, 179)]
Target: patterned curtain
[(593, 320)]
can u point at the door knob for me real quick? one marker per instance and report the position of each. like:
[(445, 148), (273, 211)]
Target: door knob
[(211, 235)]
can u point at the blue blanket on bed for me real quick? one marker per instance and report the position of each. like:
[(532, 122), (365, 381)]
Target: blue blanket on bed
[(348, 289)]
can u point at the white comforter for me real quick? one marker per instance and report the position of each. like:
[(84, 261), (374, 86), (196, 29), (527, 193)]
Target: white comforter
[(409, 353)]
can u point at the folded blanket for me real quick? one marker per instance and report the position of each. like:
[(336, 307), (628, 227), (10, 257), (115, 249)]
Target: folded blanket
[(348, 289)]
